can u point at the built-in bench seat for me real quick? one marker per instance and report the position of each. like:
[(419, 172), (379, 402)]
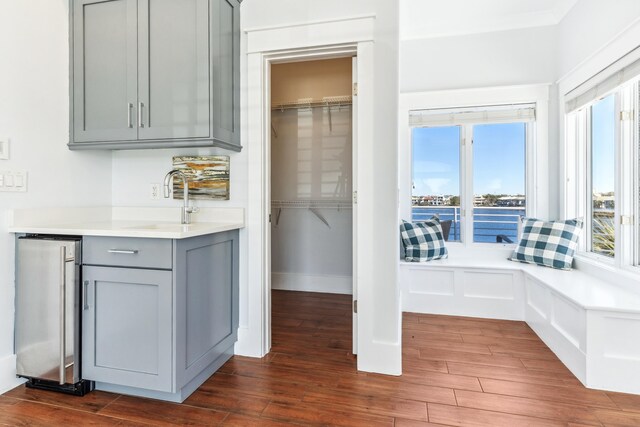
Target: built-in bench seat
[(592, 325)]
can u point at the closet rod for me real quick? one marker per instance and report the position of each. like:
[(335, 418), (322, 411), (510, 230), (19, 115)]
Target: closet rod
[(334, 101)]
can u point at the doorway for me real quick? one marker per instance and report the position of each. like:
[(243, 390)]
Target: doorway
[(311, 231)]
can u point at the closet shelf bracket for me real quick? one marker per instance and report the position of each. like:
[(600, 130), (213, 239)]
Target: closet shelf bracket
[(319, 215)]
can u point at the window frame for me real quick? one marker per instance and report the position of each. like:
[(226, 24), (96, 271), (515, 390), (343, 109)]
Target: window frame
[(466, 177), (626, 178), (536, 171)]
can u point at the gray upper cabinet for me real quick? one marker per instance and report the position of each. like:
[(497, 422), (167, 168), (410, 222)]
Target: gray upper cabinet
[(225, 48), (173, 69), (155, 74), (104, 70)]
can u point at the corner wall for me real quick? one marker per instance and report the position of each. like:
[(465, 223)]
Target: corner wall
[(34, 115), (588, 29), (374, 27), (500, 59)]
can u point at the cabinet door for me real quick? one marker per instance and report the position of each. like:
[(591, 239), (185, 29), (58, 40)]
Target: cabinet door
[(104, 70), (225, 63), (206, 301), (173, 64), (127, 327)]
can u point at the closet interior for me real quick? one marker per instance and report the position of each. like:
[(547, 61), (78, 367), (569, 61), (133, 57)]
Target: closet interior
[(311, 176)]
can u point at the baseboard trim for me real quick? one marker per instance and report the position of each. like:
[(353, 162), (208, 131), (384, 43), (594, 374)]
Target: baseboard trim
[(380, 357), (312, 283), (8, 379)]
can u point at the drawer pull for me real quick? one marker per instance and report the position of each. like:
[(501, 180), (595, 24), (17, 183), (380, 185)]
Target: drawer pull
[(123, 251)]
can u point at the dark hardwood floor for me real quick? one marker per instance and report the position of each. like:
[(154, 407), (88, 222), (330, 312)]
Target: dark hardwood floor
[(457, 371)]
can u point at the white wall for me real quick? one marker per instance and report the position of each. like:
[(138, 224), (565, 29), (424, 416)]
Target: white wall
[(273, 13), (385, 314), (378, 309), (439, 18), (134, 171), (34, 114), (503, 58), (589, 27)]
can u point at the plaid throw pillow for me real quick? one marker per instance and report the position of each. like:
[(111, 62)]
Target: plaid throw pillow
[(423, 241), (551, 244)]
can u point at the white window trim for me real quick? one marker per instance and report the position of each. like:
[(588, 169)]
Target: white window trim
[(577, 141), (537, 172), (613, 56)]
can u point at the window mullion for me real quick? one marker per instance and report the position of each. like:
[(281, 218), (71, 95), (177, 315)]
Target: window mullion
[(624, 198), (635, 141), (530, 173), (618, 181), (467, 179), (584, 165)]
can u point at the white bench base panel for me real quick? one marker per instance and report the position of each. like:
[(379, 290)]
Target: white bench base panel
[(600, 346)]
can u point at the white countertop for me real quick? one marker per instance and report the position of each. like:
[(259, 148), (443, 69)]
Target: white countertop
[(159, 223)]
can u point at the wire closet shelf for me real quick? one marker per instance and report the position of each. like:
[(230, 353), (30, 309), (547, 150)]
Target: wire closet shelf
[(312, 204), (329, 101)]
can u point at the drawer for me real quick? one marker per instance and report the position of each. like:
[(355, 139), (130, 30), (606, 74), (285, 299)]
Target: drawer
[(127, 252)]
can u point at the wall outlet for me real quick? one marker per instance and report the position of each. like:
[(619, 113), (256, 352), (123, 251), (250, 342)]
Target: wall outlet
[(156, 192)]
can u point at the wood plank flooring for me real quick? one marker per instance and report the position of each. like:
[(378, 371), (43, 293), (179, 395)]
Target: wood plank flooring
[(457, 372)]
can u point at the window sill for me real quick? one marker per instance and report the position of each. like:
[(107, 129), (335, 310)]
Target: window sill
[(480, 250), (605, 269), (480, 246)]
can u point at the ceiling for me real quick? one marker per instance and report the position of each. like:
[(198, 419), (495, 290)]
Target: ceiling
[(421, 19)]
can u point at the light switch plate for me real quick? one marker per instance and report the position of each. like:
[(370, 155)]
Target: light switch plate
[(14, 181), (4, 148)]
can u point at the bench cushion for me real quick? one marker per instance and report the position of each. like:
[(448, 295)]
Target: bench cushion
[(551, 244), (423, 241)]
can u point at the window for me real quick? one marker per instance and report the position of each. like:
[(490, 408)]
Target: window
[(602, 177), (603, 138), (469, 166), (498, 181), (436, 176)]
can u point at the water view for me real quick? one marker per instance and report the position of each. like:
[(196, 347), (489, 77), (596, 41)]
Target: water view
[(497, 172), (490, 224), (498, 178)]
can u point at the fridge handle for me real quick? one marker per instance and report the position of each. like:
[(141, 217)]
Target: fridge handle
[(63, 314)]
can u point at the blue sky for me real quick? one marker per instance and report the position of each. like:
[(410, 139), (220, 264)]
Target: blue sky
[(498, 159), (602, 144)]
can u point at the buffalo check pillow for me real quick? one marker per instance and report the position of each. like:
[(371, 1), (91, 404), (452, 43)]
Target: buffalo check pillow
[(551, 244), (423, 241)]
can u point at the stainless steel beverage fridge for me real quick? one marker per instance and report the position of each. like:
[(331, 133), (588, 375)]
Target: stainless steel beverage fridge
[(48, 322)]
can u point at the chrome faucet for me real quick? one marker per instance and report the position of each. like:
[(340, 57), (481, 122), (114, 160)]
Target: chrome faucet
[(185, 217)]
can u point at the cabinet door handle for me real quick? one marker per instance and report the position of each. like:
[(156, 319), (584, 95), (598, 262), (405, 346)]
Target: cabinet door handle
[(123, 251), (140, 121), (85, 289), (129, 121)]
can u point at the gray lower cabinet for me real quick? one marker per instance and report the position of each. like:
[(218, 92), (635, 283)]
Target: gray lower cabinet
[(157, 330), (154, 74), (127, 327)]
